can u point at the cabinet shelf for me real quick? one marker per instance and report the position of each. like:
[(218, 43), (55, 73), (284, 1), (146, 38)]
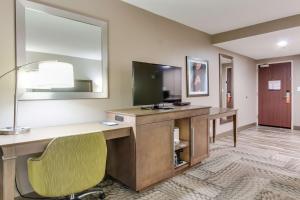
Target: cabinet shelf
[(182, 144)]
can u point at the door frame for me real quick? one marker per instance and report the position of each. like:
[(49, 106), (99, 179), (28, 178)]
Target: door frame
[(292, 88)]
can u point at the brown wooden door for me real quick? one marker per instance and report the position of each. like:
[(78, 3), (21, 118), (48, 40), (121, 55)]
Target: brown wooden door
[(154, 153), (274, 97), (199, 139)]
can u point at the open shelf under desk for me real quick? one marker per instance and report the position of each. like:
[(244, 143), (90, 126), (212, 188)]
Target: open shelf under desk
[(182, 144)]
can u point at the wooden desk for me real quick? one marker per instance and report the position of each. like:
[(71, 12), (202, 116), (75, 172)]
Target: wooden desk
[(217, 113), (36, 140), (149, 156)]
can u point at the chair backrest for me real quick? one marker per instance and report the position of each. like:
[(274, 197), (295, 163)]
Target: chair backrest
[(69, 165)]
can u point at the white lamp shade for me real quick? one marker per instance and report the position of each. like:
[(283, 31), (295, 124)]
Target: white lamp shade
[(53, 74), (28, 79)]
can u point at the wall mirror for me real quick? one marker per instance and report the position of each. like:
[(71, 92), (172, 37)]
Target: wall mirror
[(226, 84), (68, 53)]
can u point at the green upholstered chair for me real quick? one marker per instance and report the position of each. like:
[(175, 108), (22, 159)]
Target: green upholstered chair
[(69, 166)]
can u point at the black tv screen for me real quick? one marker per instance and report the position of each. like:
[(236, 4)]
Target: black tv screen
[(155, 83)]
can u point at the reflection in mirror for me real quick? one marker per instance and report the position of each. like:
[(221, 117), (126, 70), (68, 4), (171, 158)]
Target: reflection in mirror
[(49, 34), (226, 84)]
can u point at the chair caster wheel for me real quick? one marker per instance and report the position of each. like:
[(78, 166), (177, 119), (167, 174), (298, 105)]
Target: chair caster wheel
[(102, 196)]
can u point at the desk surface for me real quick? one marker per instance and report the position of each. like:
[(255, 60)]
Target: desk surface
[(48, 133), (136, 112), (217, 111)]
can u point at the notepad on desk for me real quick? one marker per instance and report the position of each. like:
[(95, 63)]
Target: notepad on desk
[(109, 123)]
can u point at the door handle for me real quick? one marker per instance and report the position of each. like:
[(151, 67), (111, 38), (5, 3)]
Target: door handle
[(288, 97), (193, 141)]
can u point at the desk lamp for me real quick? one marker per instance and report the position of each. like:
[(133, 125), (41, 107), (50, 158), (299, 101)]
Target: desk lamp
[(50, 74)]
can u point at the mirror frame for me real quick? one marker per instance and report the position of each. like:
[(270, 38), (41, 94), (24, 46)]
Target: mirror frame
[(20, 6), (228, 119)]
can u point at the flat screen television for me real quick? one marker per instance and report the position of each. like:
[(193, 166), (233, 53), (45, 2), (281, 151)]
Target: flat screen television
[(155, 83)]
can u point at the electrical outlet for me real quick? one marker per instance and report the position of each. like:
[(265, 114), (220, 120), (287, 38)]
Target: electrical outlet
[(298, 89)]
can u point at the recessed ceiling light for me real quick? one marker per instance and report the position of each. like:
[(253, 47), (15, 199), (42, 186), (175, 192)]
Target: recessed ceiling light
[(282, 43)]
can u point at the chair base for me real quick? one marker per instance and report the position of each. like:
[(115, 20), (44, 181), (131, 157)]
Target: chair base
[(95, 191)]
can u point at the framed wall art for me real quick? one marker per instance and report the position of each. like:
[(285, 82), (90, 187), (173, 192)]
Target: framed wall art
[(197, 77)]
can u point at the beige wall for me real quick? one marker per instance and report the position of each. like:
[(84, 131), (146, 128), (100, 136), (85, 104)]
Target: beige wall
[(296, 83), (7, 58), (133, 35)]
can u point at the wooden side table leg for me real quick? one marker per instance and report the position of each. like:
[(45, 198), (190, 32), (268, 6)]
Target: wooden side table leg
[(234, 129), (214, 131), (7, 174)]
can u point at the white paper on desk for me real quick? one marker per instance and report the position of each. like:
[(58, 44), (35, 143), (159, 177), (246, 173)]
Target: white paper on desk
[(109, 123), (274, 85)]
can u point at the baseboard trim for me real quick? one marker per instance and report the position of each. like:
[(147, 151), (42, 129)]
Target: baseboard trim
[(297, 128), (247, 126), (241, 128)]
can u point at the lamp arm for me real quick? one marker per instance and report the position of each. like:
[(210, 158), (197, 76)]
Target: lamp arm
[(14, 128), (19, 67), (7, 73)]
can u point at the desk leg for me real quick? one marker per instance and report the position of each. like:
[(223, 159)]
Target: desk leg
[(214, 131), (234, 130), (7, 174)]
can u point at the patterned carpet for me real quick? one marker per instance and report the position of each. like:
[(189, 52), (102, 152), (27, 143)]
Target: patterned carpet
[(264, 166)]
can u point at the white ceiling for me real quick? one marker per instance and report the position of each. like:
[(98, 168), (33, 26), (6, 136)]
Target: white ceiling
[(56, 35), (265, 45), (215, 16)]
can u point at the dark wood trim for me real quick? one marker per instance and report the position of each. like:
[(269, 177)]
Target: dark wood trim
[(234, 129), (214, 130), (187, 77)]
